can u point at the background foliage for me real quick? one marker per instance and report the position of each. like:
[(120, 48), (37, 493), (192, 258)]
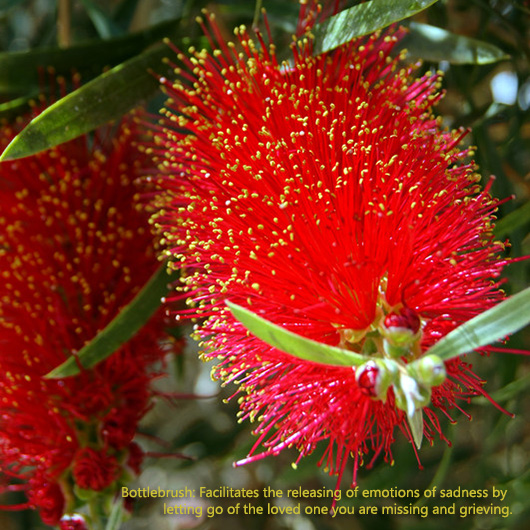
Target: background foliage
[(493, 100)]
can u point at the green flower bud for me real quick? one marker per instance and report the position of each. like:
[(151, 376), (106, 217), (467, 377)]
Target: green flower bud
[(395, 352), (376, 376), (428, 371), (403, 328)]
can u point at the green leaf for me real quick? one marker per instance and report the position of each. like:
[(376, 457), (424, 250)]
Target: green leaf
[(437, 44), (122, 328), (513, 220), (19, 71), (15, 106), (8, 4), (441, 472), (106, 98), (124, 13), (116, 515), (363, 19), (84, 494), (293, 344), (494, 324), (103, 23), (510, 391)]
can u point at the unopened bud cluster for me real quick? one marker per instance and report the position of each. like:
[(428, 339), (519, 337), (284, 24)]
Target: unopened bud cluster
[(399, 364)]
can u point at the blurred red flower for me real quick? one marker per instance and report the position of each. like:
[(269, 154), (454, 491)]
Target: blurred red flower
[(75, 247), (323, 195), (94, 470)]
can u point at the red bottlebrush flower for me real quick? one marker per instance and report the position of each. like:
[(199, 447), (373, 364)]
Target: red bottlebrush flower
[(324, 196), (48, 498), (75, 247)]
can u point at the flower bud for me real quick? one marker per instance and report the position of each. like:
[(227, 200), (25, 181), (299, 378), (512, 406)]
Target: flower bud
[(401, 329), (73, 522), (376, 376), (367, 378), (407, 319), (428, 371)]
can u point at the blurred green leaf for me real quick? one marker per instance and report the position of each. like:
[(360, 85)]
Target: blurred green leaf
[(437, 44), (124, 13), (439, 476), (281, 13), (106, 98), (293, 344), (115, 519), (15, 106), (122, 328), (8, 4), (363, 19), (103, 23), (513, 220), (494, 324), (19, 71), (510, 391)]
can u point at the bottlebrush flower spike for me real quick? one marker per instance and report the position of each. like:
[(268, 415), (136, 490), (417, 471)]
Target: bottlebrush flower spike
[(324, 196), (75, 247)]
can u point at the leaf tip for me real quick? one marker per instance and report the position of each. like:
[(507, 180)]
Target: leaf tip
[(8, 154), (67, 369), (54, 374)]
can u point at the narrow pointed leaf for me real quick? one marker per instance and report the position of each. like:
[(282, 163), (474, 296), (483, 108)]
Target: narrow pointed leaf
[(416, 427), (122, 328), (104, 25), (106, 98), (510, 391), (494, 324), (513, 220), (15, 106), (437, 44), (293, 344), (20, 71), (115, 519), (363, 19)]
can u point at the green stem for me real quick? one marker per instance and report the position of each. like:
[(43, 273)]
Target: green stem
[(95, 514), (440, 474), (257, 11), (64, 19)]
